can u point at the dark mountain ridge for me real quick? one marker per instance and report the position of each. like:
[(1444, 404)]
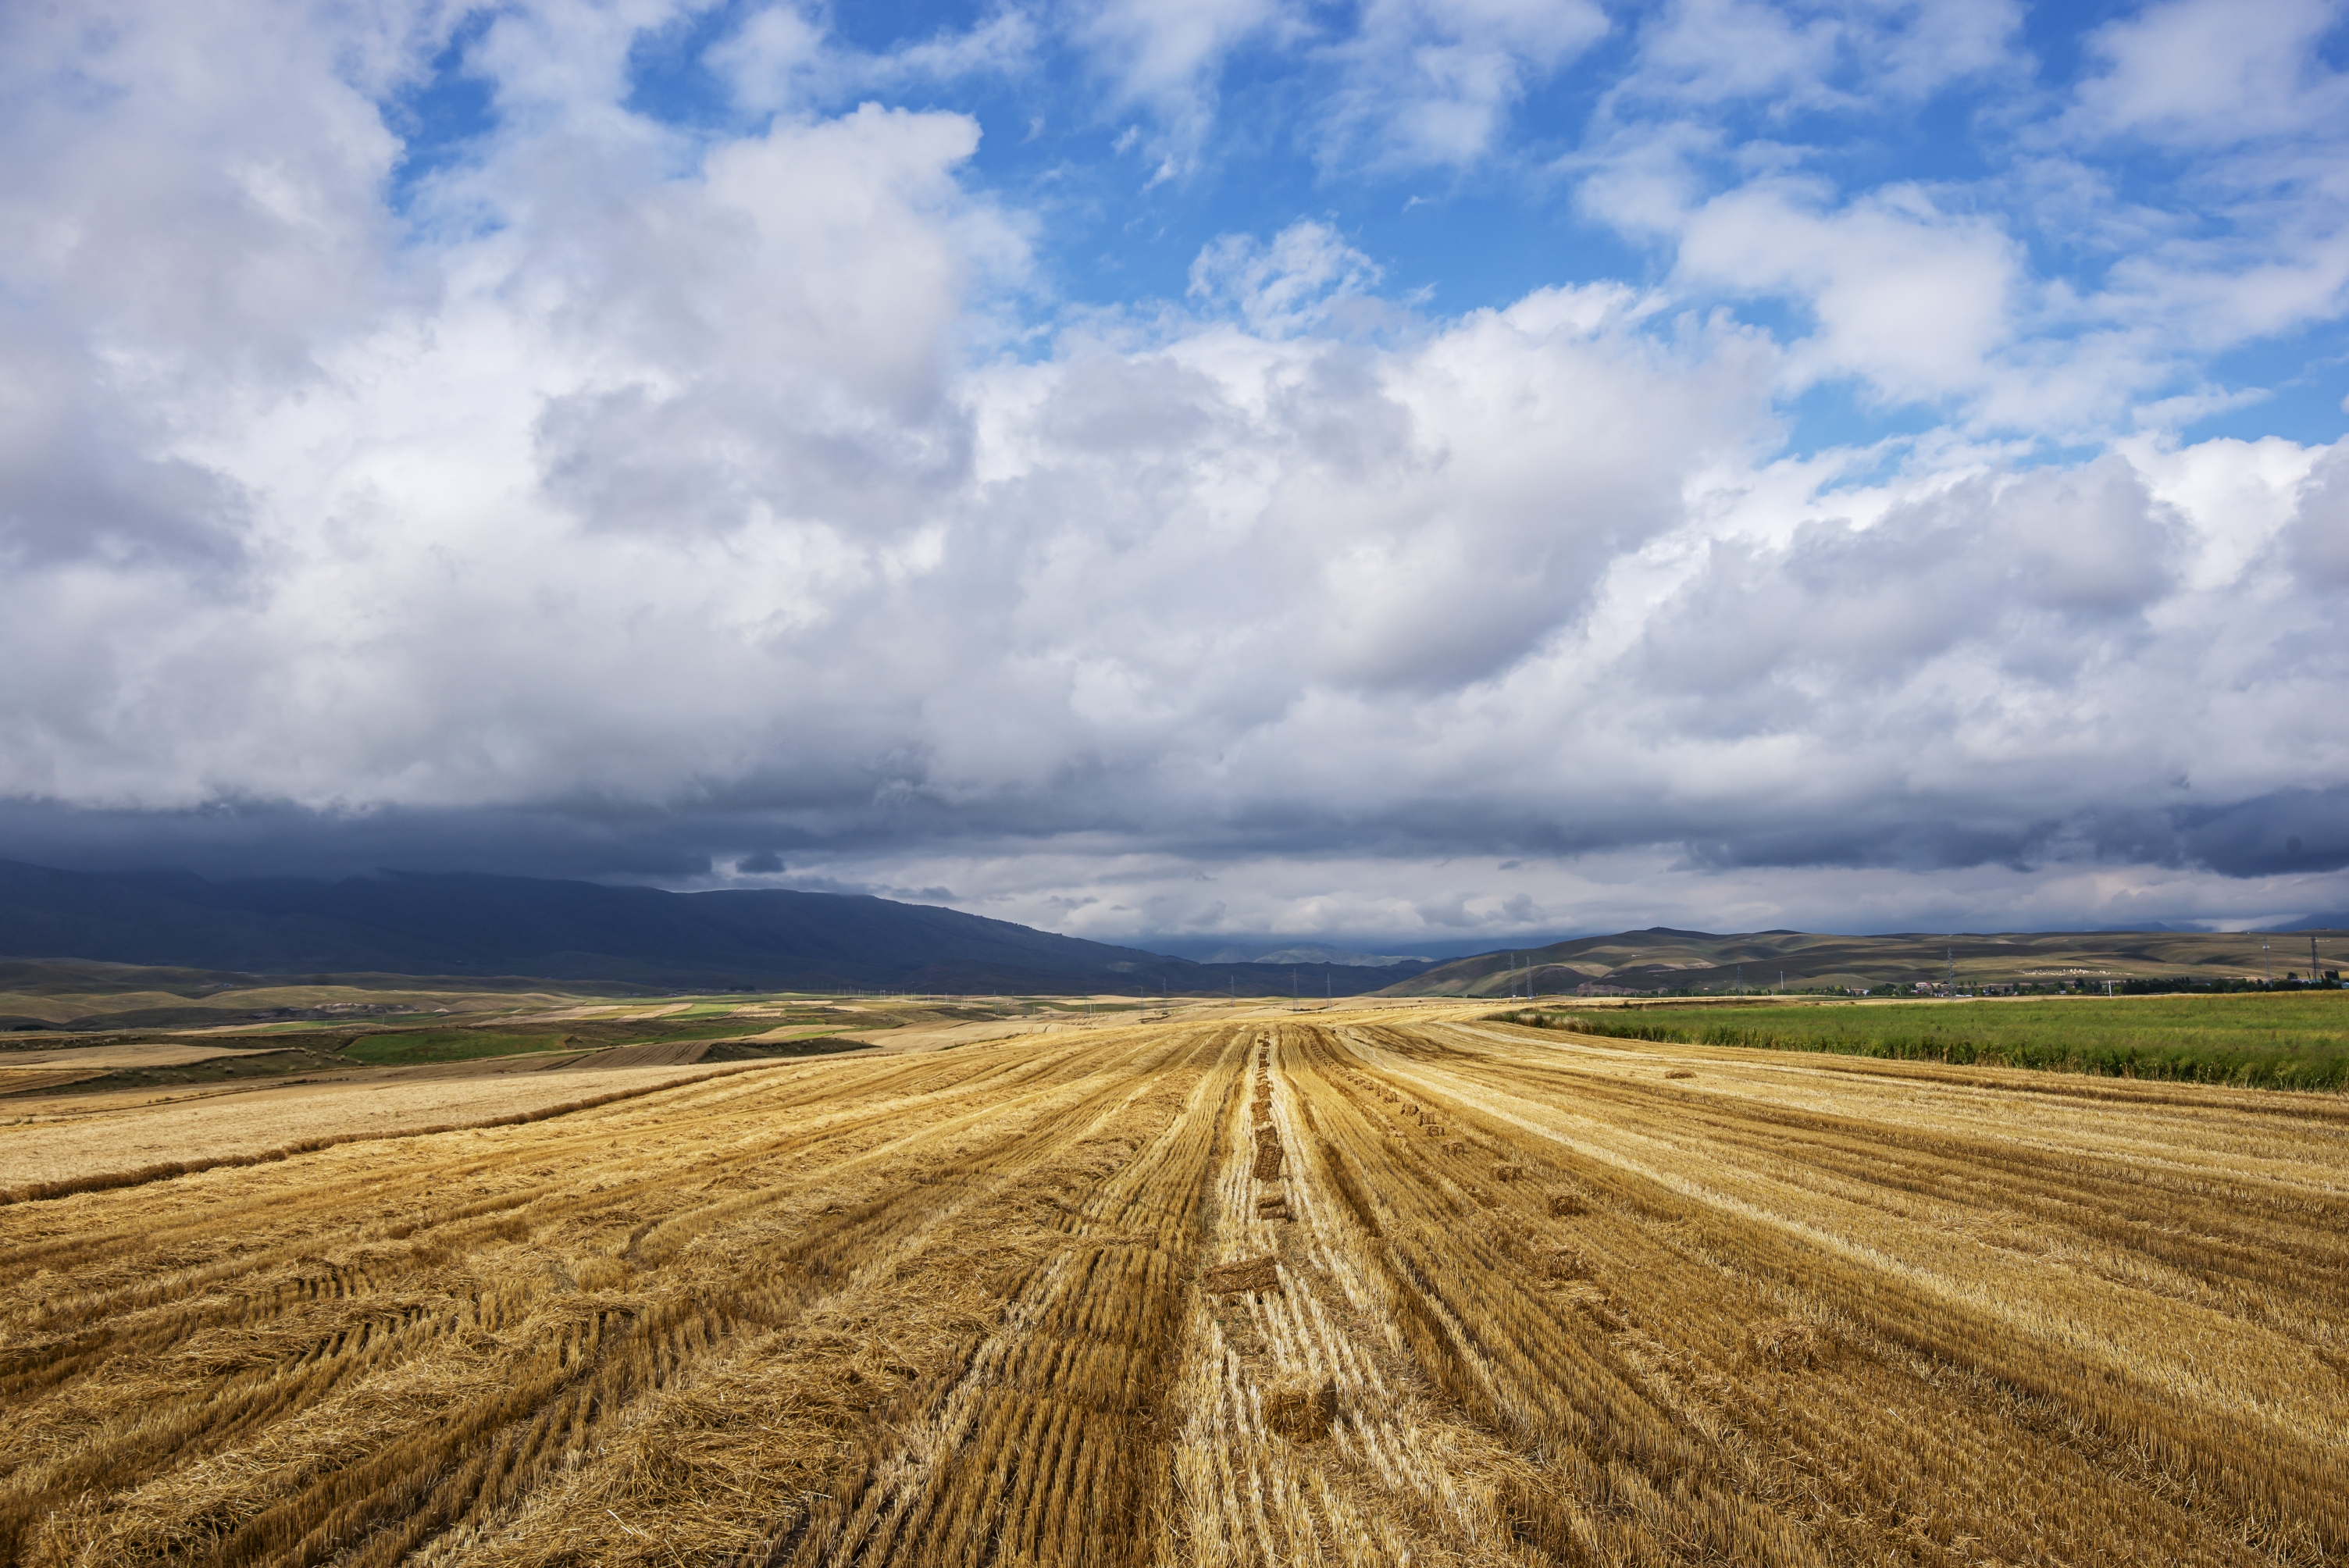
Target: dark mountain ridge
[(470, 926)]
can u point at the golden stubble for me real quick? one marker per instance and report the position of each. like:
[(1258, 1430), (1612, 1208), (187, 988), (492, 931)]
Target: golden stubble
[(1375, 1287)]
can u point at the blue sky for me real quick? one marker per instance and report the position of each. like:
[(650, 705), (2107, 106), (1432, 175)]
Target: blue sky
[(2044, 124), (1391, 472)]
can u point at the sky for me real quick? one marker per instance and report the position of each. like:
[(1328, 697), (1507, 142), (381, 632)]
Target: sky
[(1409, 475)]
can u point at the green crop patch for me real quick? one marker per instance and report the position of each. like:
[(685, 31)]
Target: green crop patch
[(420, 1046), (2289, 1041)]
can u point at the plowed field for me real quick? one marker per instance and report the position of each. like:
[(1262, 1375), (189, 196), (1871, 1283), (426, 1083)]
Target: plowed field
[(1360, 1287)]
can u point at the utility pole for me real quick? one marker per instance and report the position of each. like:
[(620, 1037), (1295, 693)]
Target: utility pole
[(2268, 964), (2312, 971), (1951, 954)]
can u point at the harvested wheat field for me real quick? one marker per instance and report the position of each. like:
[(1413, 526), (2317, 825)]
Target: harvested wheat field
[(1359, 1287), (68, 1143)]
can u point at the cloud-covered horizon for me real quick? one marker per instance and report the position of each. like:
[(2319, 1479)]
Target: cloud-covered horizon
[(1383, 473)]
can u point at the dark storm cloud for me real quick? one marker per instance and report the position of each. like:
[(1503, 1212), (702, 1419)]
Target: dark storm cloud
[(2291, 831), (1925, 843), (235, 840)]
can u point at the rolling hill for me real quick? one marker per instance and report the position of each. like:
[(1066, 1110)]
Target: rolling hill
[(1663, 959)]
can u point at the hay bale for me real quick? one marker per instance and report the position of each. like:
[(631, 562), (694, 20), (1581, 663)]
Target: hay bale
[(1565, 1205), (1678, 1072), (1273, 1208), (1246, 1276), (1300, 1409), (1433, 1129), (1789, 1344)]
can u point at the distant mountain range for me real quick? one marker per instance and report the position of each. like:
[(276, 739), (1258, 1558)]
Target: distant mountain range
[(1664, 959), (487, 928), (480, 927)]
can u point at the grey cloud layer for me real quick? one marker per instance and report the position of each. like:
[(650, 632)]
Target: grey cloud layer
[(634, 511)]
